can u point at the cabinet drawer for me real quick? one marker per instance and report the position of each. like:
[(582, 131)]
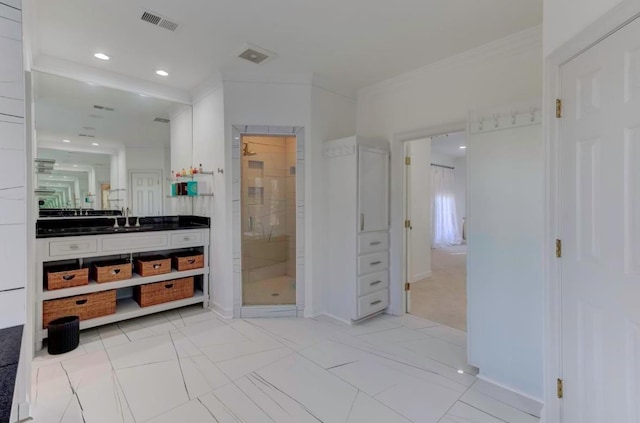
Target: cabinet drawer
[(374, 262), (187, 239), (373, 282), (373, 303), (134, 243), (372, 242), (72, 248)]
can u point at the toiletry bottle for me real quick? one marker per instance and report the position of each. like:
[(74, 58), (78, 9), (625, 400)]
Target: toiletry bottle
[(200, 168)]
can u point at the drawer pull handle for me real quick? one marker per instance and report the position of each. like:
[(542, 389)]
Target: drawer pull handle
[(115, 271), (81, 302), (375, 243), (376, 302), (186, 238), (375, 283), (169, 286), (157, 266), (74, 246), (191, 261), (68, 277), (375, 263)]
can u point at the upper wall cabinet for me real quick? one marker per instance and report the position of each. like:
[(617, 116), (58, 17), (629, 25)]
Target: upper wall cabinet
[(373, 189)]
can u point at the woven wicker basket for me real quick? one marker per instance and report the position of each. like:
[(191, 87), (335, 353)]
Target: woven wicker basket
[(85, 307), (66, 277), (163, 292), (112, 271), (153, 265), (187, 261)]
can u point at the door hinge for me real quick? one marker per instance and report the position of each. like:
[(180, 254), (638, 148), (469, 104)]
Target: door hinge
[(558, 248), (407, 224), (407, 161), (558, 108), (407, 286), (559, 388)]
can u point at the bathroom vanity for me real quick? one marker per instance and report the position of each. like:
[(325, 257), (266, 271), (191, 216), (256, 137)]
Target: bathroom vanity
[(85, 267)]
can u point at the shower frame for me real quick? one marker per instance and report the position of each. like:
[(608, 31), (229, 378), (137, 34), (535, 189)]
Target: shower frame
[(290, 310)]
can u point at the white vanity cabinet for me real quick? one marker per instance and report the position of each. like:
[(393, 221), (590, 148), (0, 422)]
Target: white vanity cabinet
[(99, 247), (358, 228)]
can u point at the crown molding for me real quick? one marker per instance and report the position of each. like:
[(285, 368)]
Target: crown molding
[(206, 87), (512, 45)]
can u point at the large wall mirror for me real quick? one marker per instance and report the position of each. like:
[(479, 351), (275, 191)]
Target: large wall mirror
[(101, 150)]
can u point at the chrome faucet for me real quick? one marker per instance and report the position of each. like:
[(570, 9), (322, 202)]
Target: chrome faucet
[(126, 218), (138, 221), (115, 224)]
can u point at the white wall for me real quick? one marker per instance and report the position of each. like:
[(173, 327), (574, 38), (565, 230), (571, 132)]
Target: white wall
[(181, 141), (13, 190), (332, 117), (460, 180), (323, 114), (505, 267), (441, 95), (210, 149), (419, 209), (563, 19)]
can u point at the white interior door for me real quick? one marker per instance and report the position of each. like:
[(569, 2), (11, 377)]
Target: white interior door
[(419, 207), (600, 231), (146, 193)]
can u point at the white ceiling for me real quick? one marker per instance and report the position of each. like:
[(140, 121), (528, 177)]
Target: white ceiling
[(353, 42), (449, 145), (64, 109)]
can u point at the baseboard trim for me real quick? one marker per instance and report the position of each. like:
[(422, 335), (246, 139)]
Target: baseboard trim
[(509, 396), (221, 311), (348, 322)]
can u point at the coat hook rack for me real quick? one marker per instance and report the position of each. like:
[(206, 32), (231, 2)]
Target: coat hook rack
[(480, 124), (514, 116), (220, 170), (533, 114), (496, 120)]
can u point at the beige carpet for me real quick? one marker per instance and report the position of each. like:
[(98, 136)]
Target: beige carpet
[(442, 298)]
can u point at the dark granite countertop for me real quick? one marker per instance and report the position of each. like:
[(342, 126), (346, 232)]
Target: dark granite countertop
[(82, 226), (10, 341)]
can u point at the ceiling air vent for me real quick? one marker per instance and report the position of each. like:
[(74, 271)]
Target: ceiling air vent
[(86, 135), (162, 120), (255, 54), (158, 20)]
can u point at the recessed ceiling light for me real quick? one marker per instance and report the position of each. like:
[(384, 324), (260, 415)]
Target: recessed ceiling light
[(162, 72), (461, 372), (462, 147), (236, 138), (65, 177), (101, 56), (95, 143), (143, 95), (66, 140), (75, 165)]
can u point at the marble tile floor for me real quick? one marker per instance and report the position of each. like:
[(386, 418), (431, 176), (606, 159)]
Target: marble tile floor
[(189, 365)]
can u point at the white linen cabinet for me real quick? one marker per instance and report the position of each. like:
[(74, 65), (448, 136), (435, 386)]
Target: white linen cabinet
[(358, 228)]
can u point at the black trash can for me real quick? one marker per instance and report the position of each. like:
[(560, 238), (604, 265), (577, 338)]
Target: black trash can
[(64, 335)]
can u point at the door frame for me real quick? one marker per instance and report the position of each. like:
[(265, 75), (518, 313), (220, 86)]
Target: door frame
[(160, 173), (623, 14), (293, 310), (398, 268)]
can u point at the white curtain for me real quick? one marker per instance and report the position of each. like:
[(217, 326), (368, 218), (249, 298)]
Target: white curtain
[(443, 208)]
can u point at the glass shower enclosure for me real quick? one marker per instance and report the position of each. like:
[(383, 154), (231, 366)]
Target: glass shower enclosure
[(268, 210)]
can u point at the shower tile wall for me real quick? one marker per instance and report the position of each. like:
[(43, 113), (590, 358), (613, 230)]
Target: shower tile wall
[(268, 220)]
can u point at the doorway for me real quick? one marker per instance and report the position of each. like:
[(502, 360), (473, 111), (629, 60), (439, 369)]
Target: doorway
[(435, 258), (146, 192)]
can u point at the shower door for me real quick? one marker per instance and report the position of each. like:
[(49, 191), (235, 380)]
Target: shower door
[(268, 194)]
